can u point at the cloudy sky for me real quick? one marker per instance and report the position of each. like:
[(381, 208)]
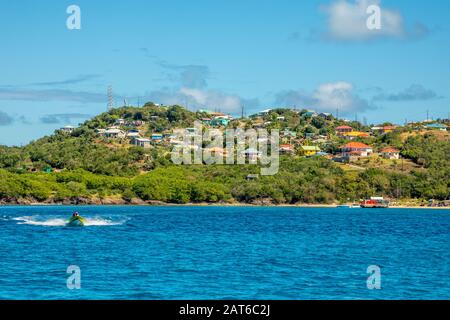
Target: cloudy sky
[(220, 55)]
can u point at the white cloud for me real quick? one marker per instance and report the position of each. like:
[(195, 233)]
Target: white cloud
[(347, 20), (326, 98), (195, 98)]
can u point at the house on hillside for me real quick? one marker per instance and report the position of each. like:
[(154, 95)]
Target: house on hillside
[(114, 133), (310, 114), (287, 148), (383, 130), (390, 153), (264, 112), (355, 134), (289, 133), (206, 121), (357, 149), (120, 122), (216, 151), (157, 136), (341, 130), (325, 115), (251, 154), (67, 129), (133, 135), (142, 142), (436, 126), (219, 121), (309, 151)]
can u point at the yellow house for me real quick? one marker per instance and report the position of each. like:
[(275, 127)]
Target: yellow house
[(309, 150), (356, 134)]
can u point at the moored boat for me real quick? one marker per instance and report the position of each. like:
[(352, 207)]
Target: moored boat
[(375, 202)]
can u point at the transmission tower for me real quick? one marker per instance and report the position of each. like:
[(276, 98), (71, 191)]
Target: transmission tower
[(110, 98)]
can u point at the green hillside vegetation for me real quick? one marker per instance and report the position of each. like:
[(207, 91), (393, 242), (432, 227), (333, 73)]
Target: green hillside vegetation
[(83, 168)]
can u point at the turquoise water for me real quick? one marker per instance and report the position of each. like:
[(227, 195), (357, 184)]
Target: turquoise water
[(224, 253)]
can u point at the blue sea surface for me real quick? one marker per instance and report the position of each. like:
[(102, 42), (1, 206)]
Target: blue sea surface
[(187, 252)]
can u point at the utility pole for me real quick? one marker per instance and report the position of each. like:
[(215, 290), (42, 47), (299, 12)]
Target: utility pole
[(428, 115), (242, 112)]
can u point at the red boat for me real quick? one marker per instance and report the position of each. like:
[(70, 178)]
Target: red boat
[(375, 202)]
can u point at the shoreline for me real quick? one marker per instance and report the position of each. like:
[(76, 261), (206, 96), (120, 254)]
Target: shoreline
[(306, 205)]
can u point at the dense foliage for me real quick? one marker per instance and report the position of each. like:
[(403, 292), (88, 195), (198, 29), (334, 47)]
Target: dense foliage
[(67, 167)]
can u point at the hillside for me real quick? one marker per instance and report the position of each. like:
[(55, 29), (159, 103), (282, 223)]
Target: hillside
[(86, 165)]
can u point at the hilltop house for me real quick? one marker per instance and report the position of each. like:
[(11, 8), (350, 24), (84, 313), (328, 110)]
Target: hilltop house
[(325, 115), (264, 112), (357, 149), (309, 150), (383, 130), (341, 130), (310, 114), (390, 153), (67, 129)]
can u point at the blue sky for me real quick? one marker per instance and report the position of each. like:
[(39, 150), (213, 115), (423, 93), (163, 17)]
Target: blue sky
[(219, 55)]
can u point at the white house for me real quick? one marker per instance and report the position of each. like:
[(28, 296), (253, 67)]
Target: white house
[(142, 142), (114, 133), (67, 129), (390, 153)]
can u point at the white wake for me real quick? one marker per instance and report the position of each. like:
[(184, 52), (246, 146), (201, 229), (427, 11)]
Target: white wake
[(61, 222)]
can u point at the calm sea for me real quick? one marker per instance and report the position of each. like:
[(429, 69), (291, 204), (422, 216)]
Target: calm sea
[(128, 252)]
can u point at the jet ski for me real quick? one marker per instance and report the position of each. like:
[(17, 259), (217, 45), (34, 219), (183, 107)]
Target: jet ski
[(76, 221)]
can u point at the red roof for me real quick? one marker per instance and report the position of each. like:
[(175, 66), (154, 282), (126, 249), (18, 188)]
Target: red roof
[(390, 150), (355, 145), (343, 127)]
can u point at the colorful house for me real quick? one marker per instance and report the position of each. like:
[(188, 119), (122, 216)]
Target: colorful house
[(390, 153), (309, 150), (383, 130), (341, 130), (220, 122), (157, 136), (287, 148), (355, 134), (356, 149)]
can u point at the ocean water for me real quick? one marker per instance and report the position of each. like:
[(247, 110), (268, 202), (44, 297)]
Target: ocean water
[(177, 252)]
